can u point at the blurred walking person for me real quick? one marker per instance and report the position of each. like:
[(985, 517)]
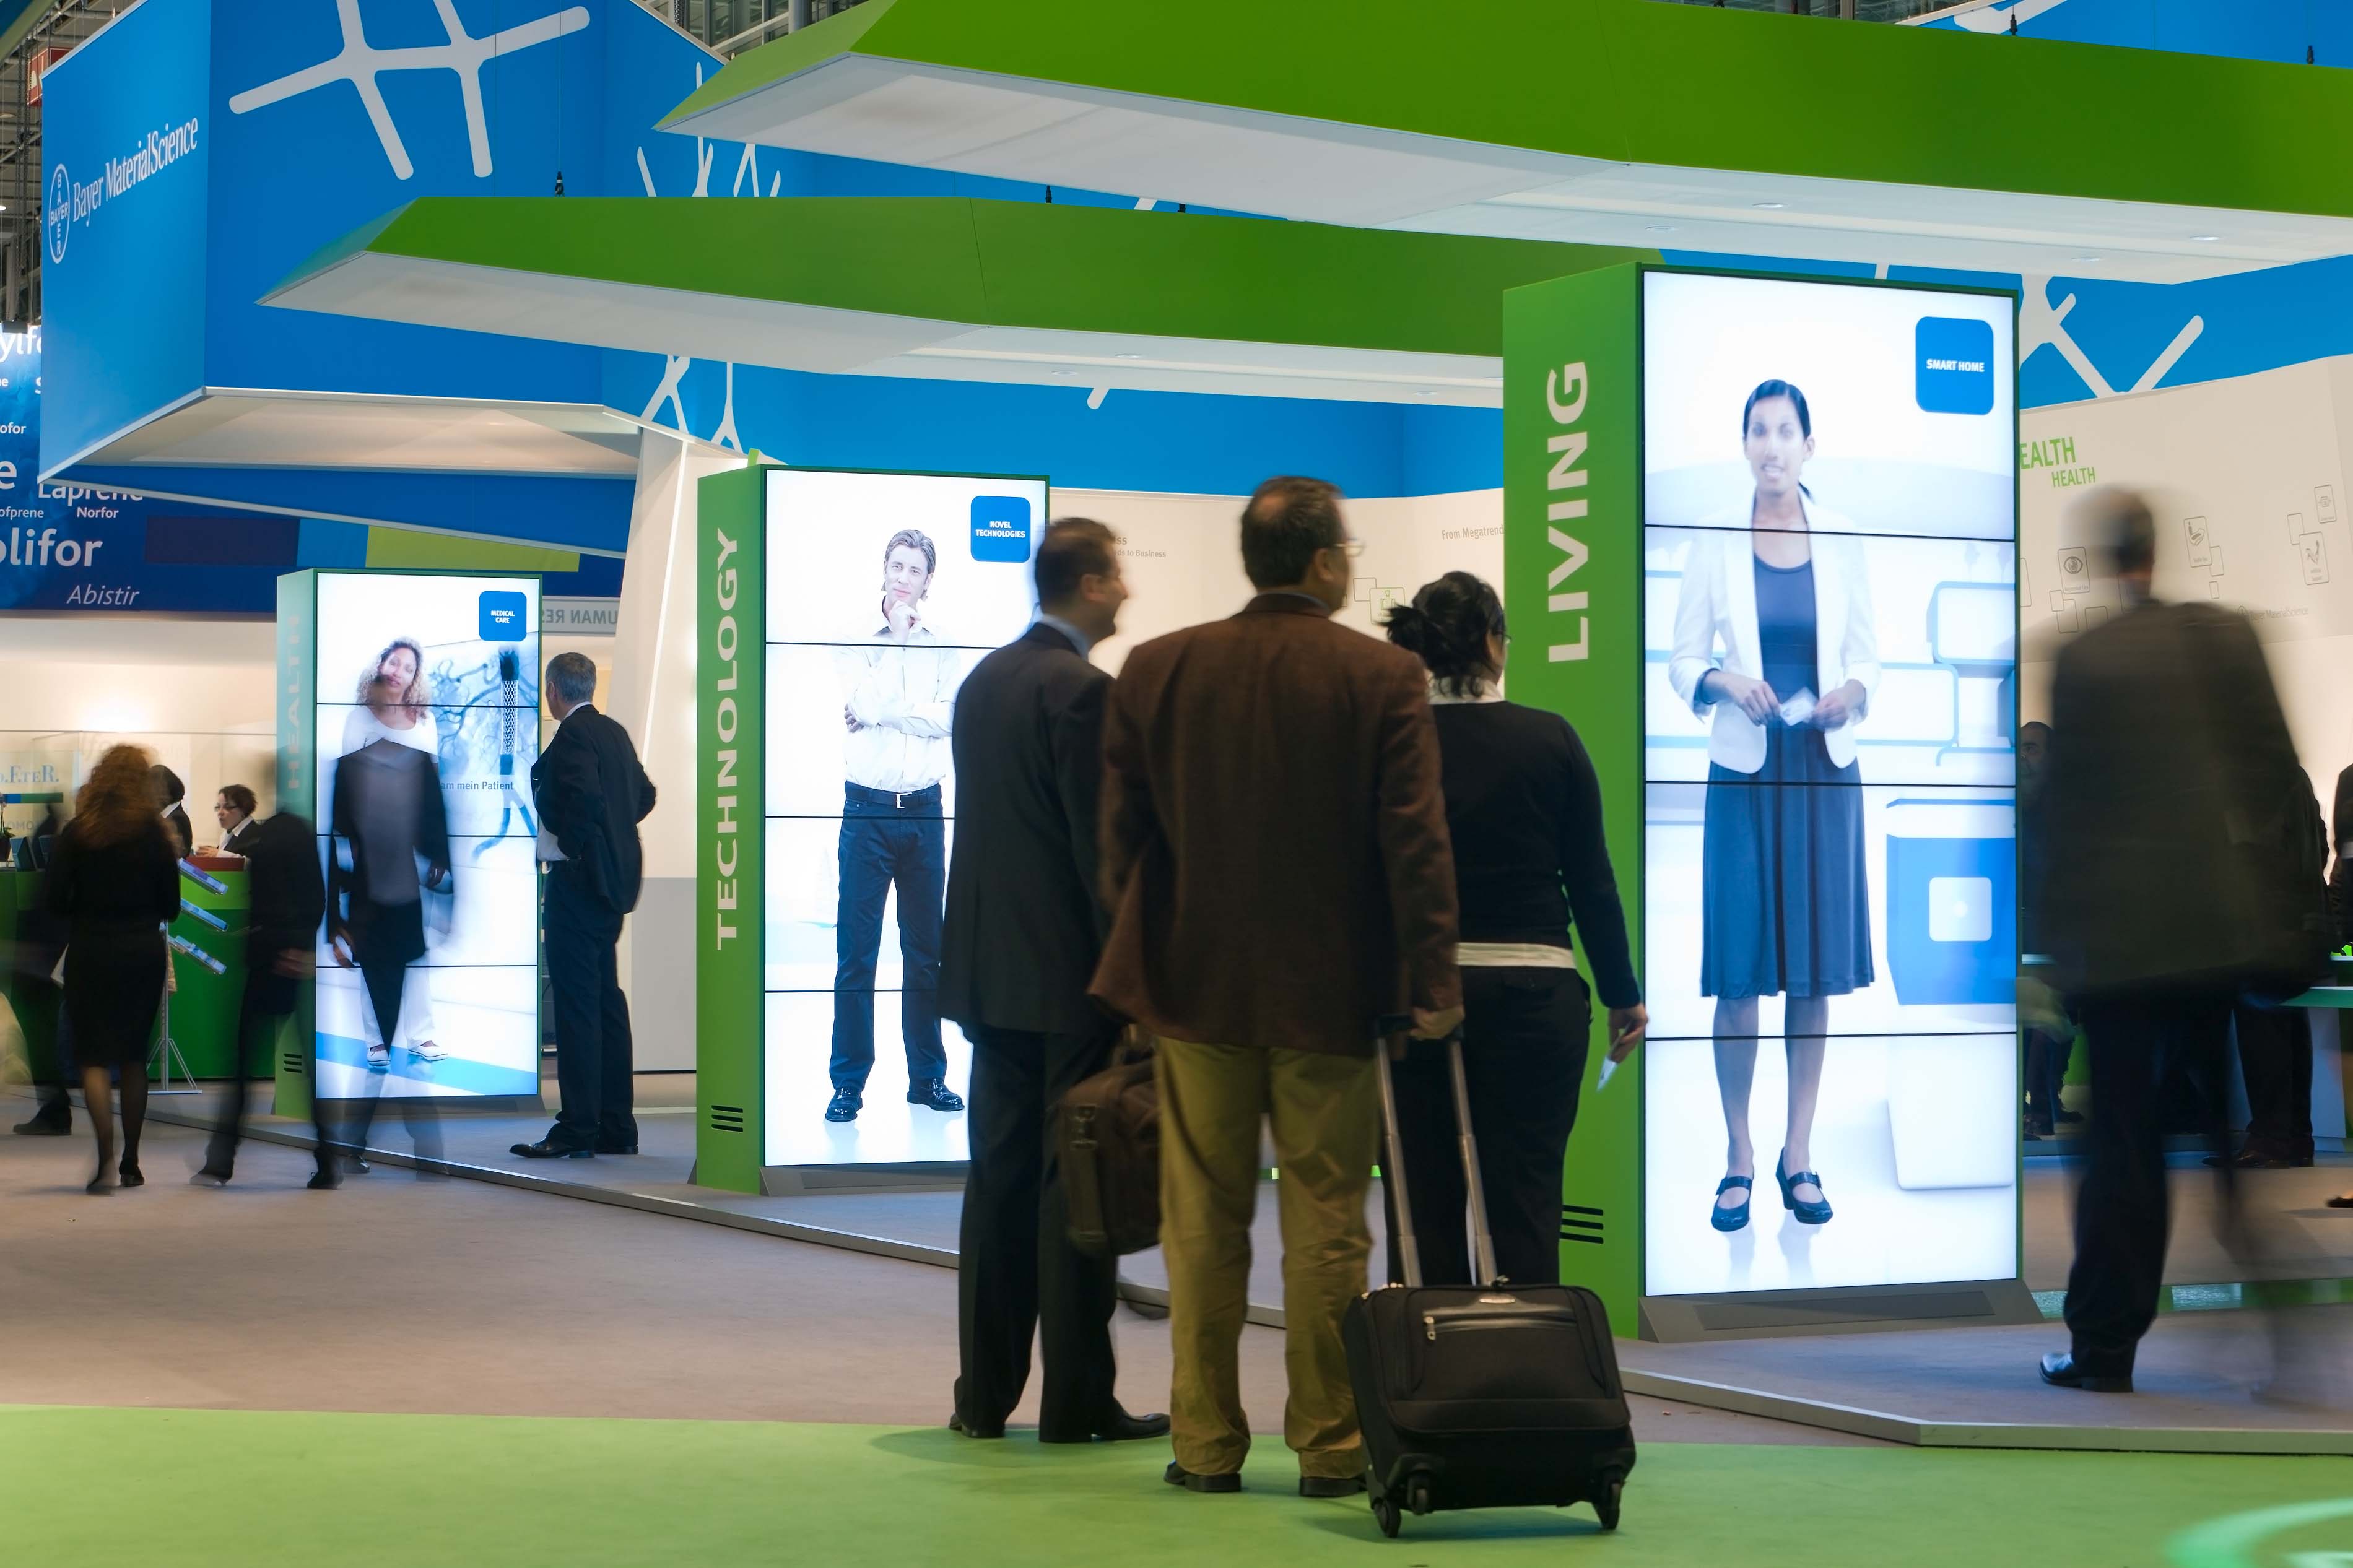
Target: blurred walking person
[(2163, 903), (281, 946), (114, 882)]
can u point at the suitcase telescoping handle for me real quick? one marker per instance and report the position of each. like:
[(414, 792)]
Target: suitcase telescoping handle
[(1393, 1175)]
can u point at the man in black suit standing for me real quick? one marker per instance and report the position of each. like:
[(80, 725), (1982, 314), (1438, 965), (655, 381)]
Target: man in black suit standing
[(591, 792), (289, 896), (1024, 929)]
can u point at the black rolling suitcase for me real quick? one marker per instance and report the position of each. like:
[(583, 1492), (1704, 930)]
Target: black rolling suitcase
[(1482, 1397)]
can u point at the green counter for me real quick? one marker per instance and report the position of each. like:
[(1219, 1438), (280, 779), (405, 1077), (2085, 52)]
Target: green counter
[(208, 961)]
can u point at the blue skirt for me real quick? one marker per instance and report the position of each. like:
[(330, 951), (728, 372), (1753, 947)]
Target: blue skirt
[(1786, 905)]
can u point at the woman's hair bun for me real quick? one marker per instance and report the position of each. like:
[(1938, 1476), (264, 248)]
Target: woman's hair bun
[(1449, 623)]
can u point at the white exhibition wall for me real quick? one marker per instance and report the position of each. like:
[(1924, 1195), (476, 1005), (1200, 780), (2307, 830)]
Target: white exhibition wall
[(2247, 478)]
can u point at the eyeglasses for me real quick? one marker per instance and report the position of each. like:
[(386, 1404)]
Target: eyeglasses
[(1351, 548)]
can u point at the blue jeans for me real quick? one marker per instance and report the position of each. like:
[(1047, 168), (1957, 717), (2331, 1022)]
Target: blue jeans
[(889, 840)]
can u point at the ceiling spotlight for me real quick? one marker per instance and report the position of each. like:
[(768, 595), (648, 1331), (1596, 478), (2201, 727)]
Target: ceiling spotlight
[(2204, 238), (1127, 356), (2087, 260), (1772, 206), (1658, 229)]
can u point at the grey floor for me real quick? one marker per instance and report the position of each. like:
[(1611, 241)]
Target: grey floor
[(399, 1294)]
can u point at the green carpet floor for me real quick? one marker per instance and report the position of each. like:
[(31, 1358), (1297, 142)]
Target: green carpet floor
[(193, 1489)]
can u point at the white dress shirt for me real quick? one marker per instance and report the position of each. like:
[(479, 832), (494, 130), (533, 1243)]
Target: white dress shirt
[(903, 692)]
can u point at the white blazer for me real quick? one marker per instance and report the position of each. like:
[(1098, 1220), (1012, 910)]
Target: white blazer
[(1718, 610)]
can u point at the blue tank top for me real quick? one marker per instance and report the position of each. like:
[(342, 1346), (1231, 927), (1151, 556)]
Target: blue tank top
[(1784, 628)]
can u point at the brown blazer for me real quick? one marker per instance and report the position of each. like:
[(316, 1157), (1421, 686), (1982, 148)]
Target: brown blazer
[(1274, 846)]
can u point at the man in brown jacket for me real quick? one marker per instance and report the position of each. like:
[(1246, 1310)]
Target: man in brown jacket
[(1275, 855)]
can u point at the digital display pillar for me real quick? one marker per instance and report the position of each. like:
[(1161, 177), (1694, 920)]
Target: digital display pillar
[(1761, 552)]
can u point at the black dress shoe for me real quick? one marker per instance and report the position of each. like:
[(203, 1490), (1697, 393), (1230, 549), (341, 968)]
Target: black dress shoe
[(962, 1427), (1330, 1486), (845, 1105), (1177, 1474), (325, 1179), (1118, 1427), (45, 1127), (935, 1094), (2059, 1369), (604, 1148), (548, 1149)]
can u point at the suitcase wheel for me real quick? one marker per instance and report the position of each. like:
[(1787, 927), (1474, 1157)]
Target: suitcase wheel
[(1416, 1494), (1606, 1505), (1386, 1515)]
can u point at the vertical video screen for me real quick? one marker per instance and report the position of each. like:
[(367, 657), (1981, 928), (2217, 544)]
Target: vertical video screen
[(1831, 834), (883, 591), (428, 726)]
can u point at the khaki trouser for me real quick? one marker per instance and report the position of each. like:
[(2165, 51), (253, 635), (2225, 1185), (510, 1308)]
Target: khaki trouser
[(1326, 1111)]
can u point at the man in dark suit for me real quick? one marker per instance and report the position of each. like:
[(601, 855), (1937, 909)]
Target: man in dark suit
[(289, 896), (2164, 899), (1276, 859), (591, 792), (1024, 929)]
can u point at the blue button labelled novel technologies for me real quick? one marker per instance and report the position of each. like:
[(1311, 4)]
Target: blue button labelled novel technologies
[(1952, 358), (1001, 528), (505, 617)]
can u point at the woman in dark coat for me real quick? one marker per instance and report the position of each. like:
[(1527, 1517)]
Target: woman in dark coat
[(114, 882)]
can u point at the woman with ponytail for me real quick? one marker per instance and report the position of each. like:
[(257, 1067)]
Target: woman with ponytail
[(1524, 810)]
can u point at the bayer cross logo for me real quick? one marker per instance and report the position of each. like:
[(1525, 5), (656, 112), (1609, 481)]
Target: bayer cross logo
[(58, 218)]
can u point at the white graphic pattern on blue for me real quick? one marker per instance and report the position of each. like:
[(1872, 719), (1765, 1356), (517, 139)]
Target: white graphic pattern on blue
[(361, 62)]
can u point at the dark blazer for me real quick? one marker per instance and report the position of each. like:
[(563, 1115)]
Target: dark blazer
[(239, 840), (289, 898), (1024, 926), (591, 792), (2169, 760), (378, 898), (1274, 845)]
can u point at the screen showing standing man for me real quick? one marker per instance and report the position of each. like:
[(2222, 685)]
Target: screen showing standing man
[(428, 725), (883, 591), (1830, 890)]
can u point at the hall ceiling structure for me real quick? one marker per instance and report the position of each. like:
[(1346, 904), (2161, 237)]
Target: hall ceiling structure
[(1610, 122)]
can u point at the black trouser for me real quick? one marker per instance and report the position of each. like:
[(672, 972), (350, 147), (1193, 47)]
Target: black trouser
[(386, 980), (1018, 1273), (2276, 1059), (595, 1051), (2046, 1075), (1525, 1036), (2123, 1208), (264, 1005), (889, 840)]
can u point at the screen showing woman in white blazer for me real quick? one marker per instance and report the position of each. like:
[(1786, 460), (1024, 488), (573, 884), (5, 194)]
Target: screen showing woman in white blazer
[(1775, 648)]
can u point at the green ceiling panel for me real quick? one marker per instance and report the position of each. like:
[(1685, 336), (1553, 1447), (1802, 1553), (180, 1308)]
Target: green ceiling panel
[(1644, 83), (1006, 264)]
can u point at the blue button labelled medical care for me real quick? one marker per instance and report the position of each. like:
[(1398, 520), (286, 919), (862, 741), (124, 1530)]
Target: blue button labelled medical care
[(504, 615), (1001, 528), (1953, 358)]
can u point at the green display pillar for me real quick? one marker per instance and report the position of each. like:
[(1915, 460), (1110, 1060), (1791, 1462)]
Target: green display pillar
[(730, 1061), (298, 791), (1573, 584)]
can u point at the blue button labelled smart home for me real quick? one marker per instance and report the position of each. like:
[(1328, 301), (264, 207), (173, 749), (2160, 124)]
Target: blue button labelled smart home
[(1001, 528), (505, 616), (1953, 360)]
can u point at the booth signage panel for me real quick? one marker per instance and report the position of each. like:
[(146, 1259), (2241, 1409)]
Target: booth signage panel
[(126, 177), (1865, 866), (422, 798), (841, 611)]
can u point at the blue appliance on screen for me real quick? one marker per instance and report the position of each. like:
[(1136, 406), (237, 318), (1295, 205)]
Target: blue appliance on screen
[(1952, 901), (505, 616), (1954, 363), (1000, 529)]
